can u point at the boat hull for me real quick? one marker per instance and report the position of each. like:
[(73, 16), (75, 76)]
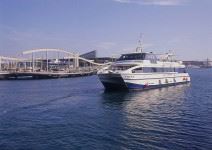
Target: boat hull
[(4, 75), (112, 81), (141, 82)]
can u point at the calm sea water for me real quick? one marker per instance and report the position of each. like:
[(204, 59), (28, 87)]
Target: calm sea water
[(76, 113)]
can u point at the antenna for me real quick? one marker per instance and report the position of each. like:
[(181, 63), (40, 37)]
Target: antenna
[(140, 48)]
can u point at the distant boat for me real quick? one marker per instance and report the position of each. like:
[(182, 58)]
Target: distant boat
[(142, 70), (207, 64), (3, 75)]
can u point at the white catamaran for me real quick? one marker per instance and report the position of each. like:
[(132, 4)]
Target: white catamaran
[(142, 70)]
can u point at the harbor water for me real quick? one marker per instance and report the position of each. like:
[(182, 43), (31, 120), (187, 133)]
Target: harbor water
[(76, 113)]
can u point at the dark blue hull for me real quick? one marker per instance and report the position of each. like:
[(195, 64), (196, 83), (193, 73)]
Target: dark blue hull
[(113, 82)]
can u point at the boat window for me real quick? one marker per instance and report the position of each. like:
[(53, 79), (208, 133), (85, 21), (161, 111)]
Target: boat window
[(167, 70), (148, 69), (156, 69), (136, 56), (151, 57), (160, 69), (181, 70), (121, 67), (137, 70)]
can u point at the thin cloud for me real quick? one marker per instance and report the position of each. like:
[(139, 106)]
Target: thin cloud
[(154, 2), (105, 45)]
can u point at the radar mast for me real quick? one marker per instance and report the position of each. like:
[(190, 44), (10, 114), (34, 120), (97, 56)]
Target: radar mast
[(139, 49)]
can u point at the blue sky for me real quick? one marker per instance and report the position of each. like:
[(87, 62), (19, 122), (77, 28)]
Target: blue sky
[(111, 27)]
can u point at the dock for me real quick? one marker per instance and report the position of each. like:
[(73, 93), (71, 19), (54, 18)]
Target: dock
[(39, 64), (42, 75)]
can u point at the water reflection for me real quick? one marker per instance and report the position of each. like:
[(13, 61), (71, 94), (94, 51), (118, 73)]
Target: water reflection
[(148, 106), (148, 115), (145, 98)]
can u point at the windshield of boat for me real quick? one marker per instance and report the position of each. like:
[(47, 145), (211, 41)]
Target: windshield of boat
[(135, 56)]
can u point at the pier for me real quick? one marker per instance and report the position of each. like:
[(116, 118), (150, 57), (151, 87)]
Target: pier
[(47, 64), (198, 64)]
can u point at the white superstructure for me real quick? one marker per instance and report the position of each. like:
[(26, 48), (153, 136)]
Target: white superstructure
[(141, 70)]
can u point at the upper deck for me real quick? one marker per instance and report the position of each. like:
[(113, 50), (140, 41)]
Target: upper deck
[(153, 58)]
